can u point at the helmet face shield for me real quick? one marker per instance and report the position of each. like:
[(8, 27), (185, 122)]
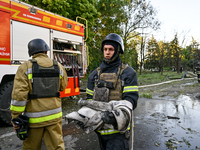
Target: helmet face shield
[(37, 45), (115, 38)]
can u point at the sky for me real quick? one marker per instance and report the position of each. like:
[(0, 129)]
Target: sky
[(181, 16)]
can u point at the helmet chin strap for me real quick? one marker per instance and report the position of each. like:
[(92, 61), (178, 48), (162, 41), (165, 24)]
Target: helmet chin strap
[(112, 59)]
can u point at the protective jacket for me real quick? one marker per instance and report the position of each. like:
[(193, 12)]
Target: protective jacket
[(127, 90), (41, 111)]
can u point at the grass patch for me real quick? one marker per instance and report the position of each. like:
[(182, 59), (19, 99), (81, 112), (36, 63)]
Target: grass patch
[(148, 77), (146, 95)]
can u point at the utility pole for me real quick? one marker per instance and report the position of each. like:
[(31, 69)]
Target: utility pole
[(141, 54)]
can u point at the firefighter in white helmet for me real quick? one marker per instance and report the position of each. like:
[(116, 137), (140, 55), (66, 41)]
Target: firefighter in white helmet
[(36, 96), (113, 80)]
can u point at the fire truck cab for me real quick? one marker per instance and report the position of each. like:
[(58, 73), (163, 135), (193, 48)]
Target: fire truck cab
[(19, 24)]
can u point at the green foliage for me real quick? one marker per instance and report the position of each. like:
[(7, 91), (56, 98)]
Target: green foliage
[(59, 6), (110, 21), (112, 14), (170, 54), (124, 17), (152, 53), (195, 52), (130, 55), (146, 95)]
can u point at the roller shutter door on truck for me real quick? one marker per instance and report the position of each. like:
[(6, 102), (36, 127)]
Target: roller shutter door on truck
[(67, 36), (22, 33)]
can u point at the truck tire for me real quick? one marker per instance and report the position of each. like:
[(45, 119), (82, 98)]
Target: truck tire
[(5, 102)]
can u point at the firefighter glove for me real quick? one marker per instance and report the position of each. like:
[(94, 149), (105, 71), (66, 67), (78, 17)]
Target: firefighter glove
[(80, 124), (23, 122), (109, 118), (22, 133)]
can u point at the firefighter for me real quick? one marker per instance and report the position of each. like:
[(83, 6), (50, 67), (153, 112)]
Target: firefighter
[(197, 71), (113, 80), (36, 95)]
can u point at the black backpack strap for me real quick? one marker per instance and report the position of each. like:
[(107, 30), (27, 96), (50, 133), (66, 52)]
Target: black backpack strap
[(121, 68), (55, 64), (98, 72)]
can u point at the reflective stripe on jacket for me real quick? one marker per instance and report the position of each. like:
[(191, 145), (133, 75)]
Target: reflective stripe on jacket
[(109, 131), (126, 89), (197, 70), (42, 111)]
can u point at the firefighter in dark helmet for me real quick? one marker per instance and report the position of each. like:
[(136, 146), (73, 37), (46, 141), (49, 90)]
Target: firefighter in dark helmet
[(197, 71), (36, 96), (113, 80)]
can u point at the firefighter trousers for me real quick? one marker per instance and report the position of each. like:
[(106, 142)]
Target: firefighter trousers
[(52, 137), (115, 141), (198, 74)]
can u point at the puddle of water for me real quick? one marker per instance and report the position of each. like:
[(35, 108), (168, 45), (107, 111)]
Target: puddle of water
[(189, 83), (186, 128), (188, 110), (165, 97), (153, 119), (184, 107)]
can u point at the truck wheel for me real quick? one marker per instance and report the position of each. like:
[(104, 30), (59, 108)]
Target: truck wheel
[(5, 102)]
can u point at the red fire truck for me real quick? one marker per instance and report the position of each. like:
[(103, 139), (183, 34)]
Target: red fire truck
[(20, 23)]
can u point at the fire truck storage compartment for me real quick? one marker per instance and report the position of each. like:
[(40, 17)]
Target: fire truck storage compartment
[(68, 50), (22, 33)]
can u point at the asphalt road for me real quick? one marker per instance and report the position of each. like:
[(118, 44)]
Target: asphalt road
[(167, 121)]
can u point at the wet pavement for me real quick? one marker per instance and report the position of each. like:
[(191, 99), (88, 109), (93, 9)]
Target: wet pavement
[(168, 121), (172, 123)]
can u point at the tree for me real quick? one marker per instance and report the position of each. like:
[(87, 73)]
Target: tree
[(143, 41), (196, 52), (176, 49), (140, 15), (169, 56), (131, 53), (152, 53), (110, 20), (125, 18), (187, 57), (59, 7), (162, 48)]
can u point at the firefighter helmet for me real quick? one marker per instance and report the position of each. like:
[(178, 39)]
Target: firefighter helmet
[(116, 38), (37, 45)]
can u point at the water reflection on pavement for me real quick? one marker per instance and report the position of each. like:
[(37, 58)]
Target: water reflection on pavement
[(167, 122)]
